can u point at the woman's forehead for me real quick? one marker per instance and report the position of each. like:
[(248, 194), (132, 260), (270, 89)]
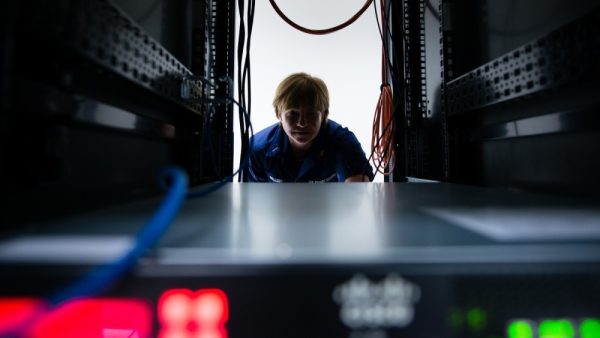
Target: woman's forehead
[(303, 108), (302, 101)]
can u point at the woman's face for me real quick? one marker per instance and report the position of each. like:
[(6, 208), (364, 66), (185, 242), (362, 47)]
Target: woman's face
[(301, 125)]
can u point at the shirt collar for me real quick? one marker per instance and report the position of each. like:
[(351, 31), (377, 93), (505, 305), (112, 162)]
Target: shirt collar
[(281, 143)]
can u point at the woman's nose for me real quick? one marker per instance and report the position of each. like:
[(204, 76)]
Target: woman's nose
[(302, 119)]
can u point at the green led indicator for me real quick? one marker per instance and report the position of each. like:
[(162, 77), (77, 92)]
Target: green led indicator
[(476, 319), (556, 329), (520, 329), (589, 328)]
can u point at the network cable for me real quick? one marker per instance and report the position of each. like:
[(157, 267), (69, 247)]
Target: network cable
[(103, 276)]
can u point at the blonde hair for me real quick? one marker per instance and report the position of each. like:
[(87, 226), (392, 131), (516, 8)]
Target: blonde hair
[(301, 90)]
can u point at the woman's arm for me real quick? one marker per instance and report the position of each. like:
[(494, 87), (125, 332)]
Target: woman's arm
[(358, 178)]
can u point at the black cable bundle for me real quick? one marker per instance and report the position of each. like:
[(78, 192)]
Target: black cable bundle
[(382, 139), (244, 76)]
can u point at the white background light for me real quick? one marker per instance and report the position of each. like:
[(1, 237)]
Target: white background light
[(349, 61)]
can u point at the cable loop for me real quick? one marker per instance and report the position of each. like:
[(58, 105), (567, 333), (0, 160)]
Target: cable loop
[(321, 31), (384, 128)]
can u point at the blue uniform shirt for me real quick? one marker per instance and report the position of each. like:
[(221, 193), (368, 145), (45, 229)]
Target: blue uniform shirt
[(334, 155)]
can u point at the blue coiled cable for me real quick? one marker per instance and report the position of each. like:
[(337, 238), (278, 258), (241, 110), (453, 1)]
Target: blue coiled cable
[(98, 279)]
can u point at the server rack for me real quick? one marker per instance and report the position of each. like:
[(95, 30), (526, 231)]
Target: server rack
[(91, 102), (527, 115), (502, 94)]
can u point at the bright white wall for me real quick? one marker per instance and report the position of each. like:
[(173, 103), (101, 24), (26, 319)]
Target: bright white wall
[(349, 61)]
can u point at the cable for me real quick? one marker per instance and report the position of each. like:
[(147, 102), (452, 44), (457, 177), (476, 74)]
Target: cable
[(320, 31), (100, 278), (244, 75), (386, 44), (382, 153), (244, 163), (431, 8), (398, 88), (246, 79), (149, 235), (383, 130), (103, 276), (246, 122), (240, 55), (249, 130), (207, 136), (248, 103)]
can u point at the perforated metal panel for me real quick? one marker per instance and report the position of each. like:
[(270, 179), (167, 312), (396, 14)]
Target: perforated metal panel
[(96, 105), (103, 33), (414, 26), (219, 57), (425, 148), (528, 118), (568, 55)]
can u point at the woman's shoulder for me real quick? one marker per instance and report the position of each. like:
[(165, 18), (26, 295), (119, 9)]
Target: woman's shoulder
[(337, 132), (264, 138)]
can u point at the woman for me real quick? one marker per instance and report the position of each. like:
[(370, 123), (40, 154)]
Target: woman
[(305, 146)]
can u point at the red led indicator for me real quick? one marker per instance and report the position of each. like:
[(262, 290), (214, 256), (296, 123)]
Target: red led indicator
[(185, 313), (14, 312), (86, 317)]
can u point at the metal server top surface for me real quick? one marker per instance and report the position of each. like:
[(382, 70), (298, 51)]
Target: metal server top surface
[(249, 225)]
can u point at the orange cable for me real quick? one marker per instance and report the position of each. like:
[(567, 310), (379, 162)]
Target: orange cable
[(321, 31), (383, 132), (382, 146)]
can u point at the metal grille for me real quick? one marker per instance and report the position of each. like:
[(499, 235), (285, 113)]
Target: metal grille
[(414, 26), (220, 59), (447, 73), (101, 32), (416, 94), (568, 55)]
